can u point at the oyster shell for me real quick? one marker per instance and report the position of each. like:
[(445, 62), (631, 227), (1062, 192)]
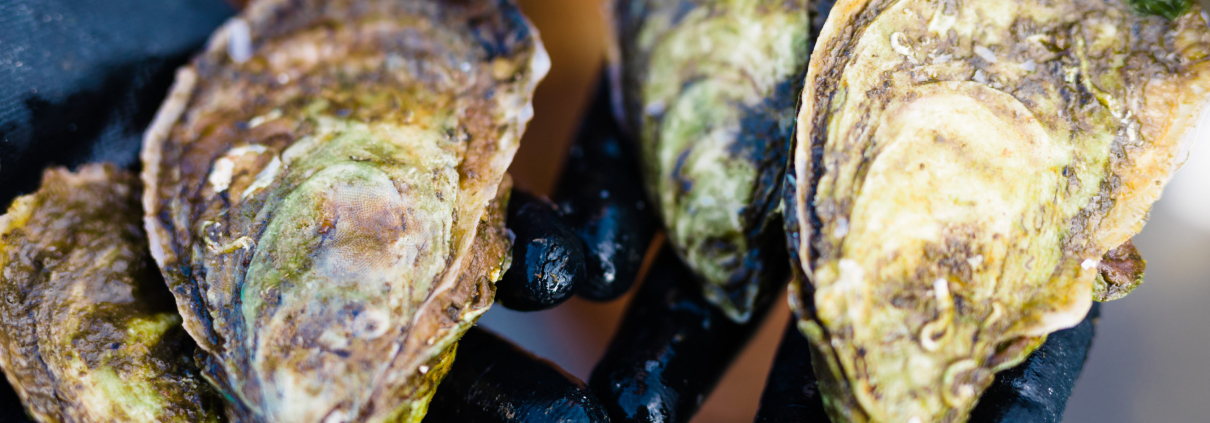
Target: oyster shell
[(709, 87), (962, 169), (324, 193), (88, 332)]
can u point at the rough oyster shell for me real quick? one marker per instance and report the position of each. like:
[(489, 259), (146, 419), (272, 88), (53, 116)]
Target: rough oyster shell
[(88, 333), (709, 87), (961, 169), (324, 195)]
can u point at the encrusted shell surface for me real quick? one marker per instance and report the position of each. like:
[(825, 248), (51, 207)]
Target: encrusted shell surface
[(324, 196), (709, 88), (88, 332), (962, 169)]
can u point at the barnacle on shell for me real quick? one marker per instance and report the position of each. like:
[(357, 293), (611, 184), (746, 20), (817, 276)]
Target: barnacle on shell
[(709, 89), (968, 177), (88, 332), (324, 193)]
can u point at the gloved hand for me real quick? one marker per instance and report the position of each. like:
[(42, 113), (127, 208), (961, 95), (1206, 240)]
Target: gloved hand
[(1035, 391), (592, 242)]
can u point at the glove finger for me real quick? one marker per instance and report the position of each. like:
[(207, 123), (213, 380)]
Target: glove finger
[(792, 392), (601, 195), (493, 380), (1037, 390), (548, 258), (670, 351)]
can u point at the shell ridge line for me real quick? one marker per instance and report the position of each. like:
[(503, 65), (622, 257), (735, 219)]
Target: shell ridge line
[(449, 279), (539, 67), (809, 165), (179, 97)]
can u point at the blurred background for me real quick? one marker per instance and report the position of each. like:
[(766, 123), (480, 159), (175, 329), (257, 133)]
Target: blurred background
[(1150, 360)]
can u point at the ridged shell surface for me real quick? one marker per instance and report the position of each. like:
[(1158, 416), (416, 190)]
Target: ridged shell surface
[(967, 176), (88, 331), (324, 193)]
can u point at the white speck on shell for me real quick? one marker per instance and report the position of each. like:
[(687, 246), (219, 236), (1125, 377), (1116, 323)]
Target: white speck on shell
[(899, 47), (941, 290), (264, 178), (336, 416), (986, 54), (239, 41), (272, 115), (842, 228), (852, 275), (220, 177), (655, 108), (980, 77), (1089, 264)]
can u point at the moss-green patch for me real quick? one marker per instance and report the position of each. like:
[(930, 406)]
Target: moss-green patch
[(710, 126), (1170, 9)]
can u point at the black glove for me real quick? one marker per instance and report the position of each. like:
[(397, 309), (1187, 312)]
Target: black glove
[(80, 81), (493, 380), (1035, 391), (593, 242)]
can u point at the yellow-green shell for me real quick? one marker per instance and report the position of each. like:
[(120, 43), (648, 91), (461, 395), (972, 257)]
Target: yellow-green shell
[(962, 168), (88, 332), (710, 88)]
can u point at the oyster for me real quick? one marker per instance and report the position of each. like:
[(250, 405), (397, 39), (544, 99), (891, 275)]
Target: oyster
[(88, 332), (709, 88), (962, 168), (324, 193)]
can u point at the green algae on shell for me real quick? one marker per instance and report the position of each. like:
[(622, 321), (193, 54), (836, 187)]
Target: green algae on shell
[(1170, 9), (965, 174), (324, 193), (709, 88), (88, 331)]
